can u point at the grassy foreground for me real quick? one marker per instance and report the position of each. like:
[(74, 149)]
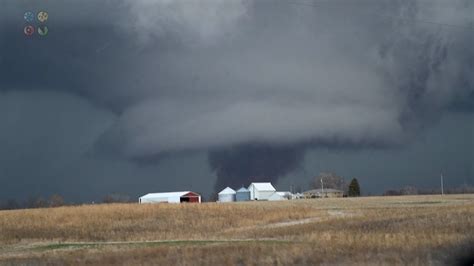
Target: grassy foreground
[(414, 230)]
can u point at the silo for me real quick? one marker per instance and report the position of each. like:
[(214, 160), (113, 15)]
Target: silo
[(227, 195), (243, 194)]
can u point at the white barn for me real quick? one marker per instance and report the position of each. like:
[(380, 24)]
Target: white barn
[(261, 191), (170, 197)]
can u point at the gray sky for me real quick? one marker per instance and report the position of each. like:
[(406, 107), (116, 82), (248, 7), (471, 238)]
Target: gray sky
[(133, 96)]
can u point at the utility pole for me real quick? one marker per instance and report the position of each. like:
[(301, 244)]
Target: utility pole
[(442, 185), (322, 188)]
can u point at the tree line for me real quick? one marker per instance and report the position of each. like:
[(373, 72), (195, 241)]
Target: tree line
[(57, 200), (352, 189), (412, 190), (54, 200)]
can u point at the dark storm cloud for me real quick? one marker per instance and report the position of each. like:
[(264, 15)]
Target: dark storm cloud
[(47, 139), (217, 75)]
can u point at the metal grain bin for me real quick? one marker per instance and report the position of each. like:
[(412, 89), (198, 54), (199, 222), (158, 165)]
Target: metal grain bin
[(226, 195), (243, 194)]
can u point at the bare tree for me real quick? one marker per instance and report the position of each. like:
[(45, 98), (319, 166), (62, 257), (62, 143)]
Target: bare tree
[(409, 190), (298, 189), (330, 180), (36, 202), (40, 203), (56, 200)]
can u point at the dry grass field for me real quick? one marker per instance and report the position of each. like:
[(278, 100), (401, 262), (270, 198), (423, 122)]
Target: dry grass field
[(413, 230)]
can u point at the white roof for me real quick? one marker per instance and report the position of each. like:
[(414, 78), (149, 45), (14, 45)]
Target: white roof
[(263, 186), (284, 193), (165, 194), (276, 196), (227, 190)]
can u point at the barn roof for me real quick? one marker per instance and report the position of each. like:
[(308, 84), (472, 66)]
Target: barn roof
[(263, 186), (165, 194), (227, 190)]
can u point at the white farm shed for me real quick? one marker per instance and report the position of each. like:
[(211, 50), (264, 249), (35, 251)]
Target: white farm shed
[(170, 197), (286, 194), (226, 195), (261, 191), (276, 197)]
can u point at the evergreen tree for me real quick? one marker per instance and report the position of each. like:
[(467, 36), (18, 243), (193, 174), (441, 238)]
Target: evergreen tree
[(354, 188)]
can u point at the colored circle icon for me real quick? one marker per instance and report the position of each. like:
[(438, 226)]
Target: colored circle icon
[(29, 30), (43, 30), (42, 16), (29, 16)]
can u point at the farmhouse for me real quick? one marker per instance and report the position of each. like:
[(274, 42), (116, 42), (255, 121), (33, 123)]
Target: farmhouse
[(171, 197), (261, 191), (323, 193), (226, 195)]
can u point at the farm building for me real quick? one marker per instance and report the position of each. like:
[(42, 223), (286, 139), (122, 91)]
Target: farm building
[(171, 197), (286, 194), (323, 193), (226, 195), (276, 197), (261, 191), (242, 194)]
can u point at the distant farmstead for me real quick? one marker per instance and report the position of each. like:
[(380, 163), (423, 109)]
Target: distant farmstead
[(323, 193), (171, 197)]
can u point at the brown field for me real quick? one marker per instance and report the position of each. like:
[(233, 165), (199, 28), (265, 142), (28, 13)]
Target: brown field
[(413, 230)]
